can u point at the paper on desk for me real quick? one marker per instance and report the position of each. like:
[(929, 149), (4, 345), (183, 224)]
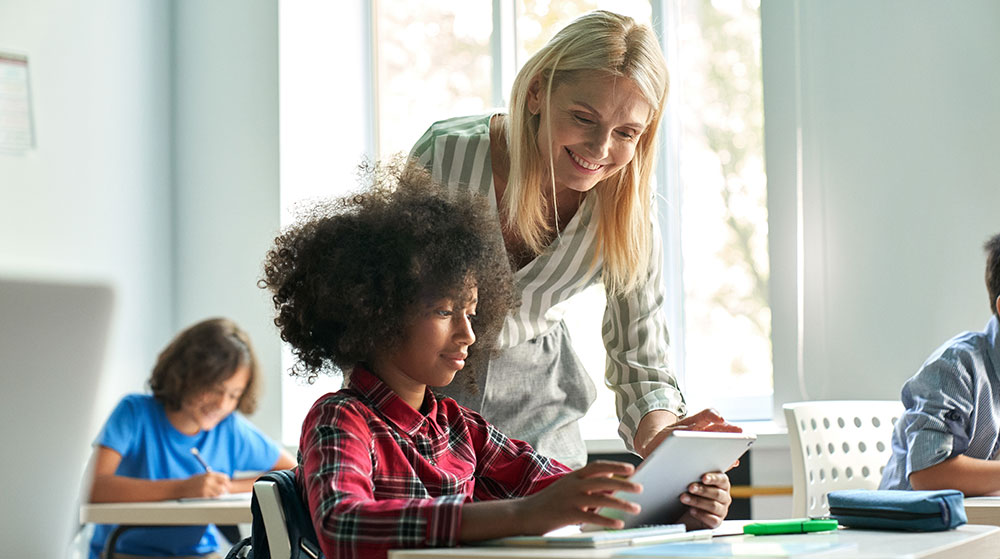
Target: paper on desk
[(572, 536), (227, 497), (747, 549)]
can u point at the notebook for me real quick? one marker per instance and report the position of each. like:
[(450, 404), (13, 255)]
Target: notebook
[(745, 550), (243, 496), (572, 536), (52, 342)]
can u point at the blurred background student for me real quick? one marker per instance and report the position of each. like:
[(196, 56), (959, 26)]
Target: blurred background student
[(185, 439)]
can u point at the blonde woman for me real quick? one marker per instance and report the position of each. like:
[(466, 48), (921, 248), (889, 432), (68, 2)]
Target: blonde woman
[(569, 169)]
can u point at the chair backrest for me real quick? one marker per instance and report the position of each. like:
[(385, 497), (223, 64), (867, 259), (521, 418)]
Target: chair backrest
[(282, 528), (269, 500), (837, 444)]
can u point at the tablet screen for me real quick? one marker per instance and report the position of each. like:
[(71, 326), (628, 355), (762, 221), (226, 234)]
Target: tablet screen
[(680, 459)]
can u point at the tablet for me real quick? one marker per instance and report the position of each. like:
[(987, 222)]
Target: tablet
[(680, 459)]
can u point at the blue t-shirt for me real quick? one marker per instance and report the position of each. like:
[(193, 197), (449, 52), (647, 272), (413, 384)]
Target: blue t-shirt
[(151, 448)]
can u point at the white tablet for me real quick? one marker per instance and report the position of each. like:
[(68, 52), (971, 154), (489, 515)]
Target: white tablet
[(680, 459)]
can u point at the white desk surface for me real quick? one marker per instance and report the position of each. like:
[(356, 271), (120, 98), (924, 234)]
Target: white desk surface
[(983, 510), (968, 542), (163, 513)]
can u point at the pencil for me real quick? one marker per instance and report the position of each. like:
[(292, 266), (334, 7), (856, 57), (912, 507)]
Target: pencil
[(201, 460)]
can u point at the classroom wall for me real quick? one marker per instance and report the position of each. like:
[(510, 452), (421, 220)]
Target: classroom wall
[(881, 122), (226, 172), (155, 168), (92, 201)]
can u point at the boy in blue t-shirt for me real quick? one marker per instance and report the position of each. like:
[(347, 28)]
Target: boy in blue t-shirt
[(144, 452), (949, 436)]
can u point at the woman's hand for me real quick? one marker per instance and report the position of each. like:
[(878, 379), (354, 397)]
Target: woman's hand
[(657, 425), (708, 502), (577, 496)]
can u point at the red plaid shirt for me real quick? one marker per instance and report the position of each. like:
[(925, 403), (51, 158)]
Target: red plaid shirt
[(379, 475)]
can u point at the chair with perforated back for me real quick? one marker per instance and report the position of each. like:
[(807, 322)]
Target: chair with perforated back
[(837, 444)]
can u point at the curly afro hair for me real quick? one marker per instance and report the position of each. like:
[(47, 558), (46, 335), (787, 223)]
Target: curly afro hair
[(347, 278)]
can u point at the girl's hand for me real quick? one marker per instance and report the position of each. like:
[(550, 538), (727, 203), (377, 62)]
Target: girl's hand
[(575, 498), (210, 484), (708, 502)]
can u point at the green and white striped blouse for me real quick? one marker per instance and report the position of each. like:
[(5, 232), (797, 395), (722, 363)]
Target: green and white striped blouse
[(457, 153)]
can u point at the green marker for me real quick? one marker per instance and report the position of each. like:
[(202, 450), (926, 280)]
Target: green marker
[(794, 526)]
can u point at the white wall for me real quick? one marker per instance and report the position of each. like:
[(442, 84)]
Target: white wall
[(226, 171), (156, 168), (896, 106), (92, 200)]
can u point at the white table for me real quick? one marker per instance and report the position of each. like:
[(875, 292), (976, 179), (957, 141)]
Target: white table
[(169, 513), (966, 542), (166, 513), (983, 510)]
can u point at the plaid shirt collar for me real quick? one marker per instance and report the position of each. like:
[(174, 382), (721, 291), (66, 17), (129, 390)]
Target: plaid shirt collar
[(388, 404)]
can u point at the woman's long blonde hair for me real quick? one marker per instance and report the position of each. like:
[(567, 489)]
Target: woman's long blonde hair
[(615, 44)]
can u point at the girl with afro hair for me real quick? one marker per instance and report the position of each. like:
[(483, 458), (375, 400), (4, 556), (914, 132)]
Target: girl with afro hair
[(403, 287)]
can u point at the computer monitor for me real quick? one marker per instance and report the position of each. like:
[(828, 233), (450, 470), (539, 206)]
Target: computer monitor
[(52, 343)]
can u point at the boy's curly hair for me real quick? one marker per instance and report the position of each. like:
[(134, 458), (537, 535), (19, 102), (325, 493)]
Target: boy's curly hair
[(199, 358), (347, 278)]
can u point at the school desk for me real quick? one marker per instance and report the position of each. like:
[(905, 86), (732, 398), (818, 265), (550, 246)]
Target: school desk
[(166, 513), (983, 510), (968, 542)]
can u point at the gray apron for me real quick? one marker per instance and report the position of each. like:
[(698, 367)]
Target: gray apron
[(536, 392)]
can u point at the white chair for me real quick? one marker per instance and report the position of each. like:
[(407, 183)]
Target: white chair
[(837, 444), (269, 500), (287, 526)]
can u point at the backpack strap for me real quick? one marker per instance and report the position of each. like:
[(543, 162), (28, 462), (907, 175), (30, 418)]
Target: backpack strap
[(241, 550)]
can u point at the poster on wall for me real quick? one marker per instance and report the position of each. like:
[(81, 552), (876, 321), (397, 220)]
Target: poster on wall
[(16, 128)]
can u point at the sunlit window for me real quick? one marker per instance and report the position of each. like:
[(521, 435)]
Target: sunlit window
[(717, 100), (431, 60)]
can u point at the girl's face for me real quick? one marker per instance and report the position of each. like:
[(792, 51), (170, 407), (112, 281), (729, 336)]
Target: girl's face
[(203, 411), (590, 127), (433, 349)]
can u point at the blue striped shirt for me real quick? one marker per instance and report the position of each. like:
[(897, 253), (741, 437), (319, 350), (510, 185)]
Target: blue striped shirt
[(952, 407)]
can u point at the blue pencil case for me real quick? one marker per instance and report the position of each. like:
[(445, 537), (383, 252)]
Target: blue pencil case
[(914, 511)]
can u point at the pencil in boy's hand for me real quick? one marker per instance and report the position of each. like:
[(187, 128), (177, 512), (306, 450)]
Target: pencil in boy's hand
[(201, 460)]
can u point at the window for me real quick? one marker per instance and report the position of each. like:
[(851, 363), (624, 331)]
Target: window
[(435, 60), (716, 107)]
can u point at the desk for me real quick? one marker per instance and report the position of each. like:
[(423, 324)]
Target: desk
[(169, 513), (166, 513), (983, 510), (968, 542)]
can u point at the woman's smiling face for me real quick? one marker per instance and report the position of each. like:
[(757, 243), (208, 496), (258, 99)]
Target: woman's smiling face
[(590, 127)]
